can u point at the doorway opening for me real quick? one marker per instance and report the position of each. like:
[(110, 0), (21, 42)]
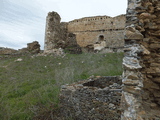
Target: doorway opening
[(101, 38)]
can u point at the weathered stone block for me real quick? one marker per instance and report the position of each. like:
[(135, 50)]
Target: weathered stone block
[(130, 82), (157, 79), (131, 63), (133, 90), (150, 85), (133, 77), (33, 47), (131, 33), (154, 46), (145, 15)]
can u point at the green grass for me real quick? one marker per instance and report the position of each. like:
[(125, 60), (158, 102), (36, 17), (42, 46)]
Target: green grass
[(30, 87)]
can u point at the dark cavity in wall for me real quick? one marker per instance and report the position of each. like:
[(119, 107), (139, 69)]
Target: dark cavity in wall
[(101, 38), (94, 84)]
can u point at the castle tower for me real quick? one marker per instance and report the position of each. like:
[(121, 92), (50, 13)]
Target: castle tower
[(52, 31)]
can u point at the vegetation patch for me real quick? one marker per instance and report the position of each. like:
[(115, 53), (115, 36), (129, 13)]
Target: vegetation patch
[(31, 87)]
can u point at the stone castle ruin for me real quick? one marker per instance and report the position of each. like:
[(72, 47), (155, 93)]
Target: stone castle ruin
[(135, 96), (86, 34), (140, 95)]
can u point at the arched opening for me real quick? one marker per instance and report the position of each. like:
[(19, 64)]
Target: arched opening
[(101, 38)]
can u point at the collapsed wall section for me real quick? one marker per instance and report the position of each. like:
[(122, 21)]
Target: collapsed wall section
[(92, 99), (32, 48), (141, 91), (4, 51), (57, 37)]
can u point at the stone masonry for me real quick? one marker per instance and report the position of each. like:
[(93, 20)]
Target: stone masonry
[(32, 48), (140, 94), (92, 99), (141, 77), (4, 51), (56, 36), (99, 31), (91, 33)]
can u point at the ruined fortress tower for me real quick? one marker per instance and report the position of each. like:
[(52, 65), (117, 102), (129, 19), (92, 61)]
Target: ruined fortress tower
[(89, 33)]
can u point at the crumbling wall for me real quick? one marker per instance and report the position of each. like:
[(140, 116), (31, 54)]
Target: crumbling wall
[(71, 44), (88, 31), (52, 32), (97, 23), (91, 33), (112, 38), (141, 91), (4, 51), (57, 36), (92, 99), (32, 48)]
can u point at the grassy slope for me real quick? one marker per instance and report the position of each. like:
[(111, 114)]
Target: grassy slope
[(30, 87)]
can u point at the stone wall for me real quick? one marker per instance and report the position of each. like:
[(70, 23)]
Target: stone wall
[(52, 32), (97, 23), (57, 37), (88, 30), (32, 48), (5, 51), (92, 99), (140, 98), (91, 33), (141, 77), (112, 38)]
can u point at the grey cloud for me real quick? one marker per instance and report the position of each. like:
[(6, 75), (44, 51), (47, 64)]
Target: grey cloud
[(23, 21)]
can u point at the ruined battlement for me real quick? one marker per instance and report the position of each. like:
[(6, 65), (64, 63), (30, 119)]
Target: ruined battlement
[(96, 18), (54, 15), (97, 23), (91, 33), (85, 19)]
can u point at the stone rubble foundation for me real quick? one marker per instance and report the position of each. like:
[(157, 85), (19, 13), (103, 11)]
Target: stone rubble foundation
[(92, 99)]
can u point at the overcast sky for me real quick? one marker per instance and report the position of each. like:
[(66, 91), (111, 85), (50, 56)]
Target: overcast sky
[(23, 21)]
